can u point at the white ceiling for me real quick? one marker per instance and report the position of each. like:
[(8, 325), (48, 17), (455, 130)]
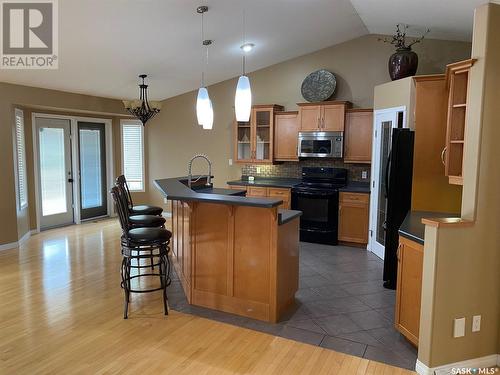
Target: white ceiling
[(105, 44), (447, 19)]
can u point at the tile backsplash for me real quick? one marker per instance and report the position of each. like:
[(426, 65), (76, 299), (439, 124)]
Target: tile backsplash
[(293, 169)]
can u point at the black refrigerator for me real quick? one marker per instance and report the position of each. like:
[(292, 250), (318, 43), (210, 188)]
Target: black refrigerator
[(398, 184)]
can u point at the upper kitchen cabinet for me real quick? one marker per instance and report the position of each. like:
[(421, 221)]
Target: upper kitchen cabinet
[(457, 76), (324, 116), (358, 136), (286, 129), (254, 140)]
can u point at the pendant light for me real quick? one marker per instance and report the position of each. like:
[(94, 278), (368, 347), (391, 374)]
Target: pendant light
[(204, 109), (243, 97)]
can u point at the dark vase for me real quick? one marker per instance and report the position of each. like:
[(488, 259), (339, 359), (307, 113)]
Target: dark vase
[(403, 63)]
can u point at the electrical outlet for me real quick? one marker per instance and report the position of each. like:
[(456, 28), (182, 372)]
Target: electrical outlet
[(476, 323), (258, 169), (230, 161), (364, 175), (165, 200), (459, 327)]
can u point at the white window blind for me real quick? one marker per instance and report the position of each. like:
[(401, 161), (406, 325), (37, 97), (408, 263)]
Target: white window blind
[(133, 154), (22, 183)]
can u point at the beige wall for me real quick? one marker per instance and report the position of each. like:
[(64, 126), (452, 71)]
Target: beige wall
[(359, 65), (14, 225), (461, 265)]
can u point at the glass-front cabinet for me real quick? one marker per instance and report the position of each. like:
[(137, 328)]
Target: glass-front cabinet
[(254, 139)]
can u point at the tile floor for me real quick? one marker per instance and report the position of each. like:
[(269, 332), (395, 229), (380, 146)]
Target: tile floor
[(341, 305)]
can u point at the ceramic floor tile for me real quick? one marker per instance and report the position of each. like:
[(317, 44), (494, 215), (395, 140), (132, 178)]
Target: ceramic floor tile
[(379, 300), (370, 319), (344, 346), (337, 324), (388, 356)]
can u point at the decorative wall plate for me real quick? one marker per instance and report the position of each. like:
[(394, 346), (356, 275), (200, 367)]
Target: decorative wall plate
[(318, 86)]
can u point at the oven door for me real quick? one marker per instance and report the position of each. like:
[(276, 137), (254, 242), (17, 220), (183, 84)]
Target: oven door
[(319, 220)]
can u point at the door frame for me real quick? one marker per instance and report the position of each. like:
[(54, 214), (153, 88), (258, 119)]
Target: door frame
[(373, 197), (75, 161)]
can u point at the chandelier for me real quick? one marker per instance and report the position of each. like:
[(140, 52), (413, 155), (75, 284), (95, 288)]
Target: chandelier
[(142, 109)]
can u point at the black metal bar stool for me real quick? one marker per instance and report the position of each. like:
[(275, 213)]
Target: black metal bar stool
[(142, 209), (141, 243)]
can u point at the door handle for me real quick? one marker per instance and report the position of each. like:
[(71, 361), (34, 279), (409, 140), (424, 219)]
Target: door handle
[(70, 180), (443, 153)]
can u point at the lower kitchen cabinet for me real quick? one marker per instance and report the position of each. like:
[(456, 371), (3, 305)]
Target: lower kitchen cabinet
[(409, 289), (353, 217)]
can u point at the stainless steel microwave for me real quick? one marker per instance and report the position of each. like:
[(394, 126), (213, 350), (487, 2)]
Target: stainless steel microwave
[(321, 144)]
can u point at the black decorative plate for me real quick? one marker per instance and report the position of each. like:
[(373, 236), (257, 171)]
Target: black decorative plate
[(318, 86)]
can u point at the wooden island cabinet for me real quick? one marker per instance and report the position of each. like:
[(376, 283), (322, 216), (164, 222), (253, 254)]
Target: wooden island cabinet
[(234, 258)]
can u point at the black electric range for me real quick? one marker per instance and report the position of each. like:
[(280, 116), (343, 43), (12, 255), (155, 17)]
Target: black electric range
[(317, 196)]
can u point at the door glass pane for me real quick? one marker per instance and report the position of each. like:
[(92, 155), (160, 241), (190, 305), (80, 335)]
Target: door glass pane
[(244, 140), (263, 134), (386, 139), (52, 171), (90, 168)]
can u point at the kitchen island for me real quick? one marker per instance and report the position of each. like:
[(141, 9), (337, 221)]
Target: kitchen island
[(232, 253)]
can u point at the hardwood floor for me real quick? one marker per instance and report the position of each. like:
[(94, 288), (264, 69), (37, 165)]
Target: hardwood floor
[(61, 312)]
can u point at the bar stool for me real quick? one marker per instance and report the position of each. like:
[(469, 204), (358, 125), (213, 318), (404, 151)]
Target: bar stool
[(142, 209), (141, 243)]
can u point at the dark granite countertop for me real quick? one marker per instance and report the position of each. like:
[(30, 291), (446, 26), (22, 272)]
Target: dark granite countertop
[(412, 227), (176, 189), (356, 187), (284, 216), (278, 182)]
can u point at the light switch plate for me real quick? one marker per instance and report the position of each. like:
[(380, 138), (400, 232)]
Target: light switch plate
[(476, 323), (459, 327), (230, 161), (258, 169), (364, 175)]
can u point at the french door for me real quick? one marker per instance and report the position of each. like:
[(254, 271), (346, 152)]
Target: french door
[(92, 169), (55, 175), (384, 121)]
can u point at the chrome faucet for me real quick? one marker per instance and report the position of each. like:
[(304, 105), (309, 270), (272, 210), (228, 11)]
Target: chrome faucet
[(190, 165)]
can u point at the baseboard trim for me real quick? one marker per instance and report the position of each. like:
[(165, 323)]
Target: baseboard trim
[(487, 361), (8, 246)]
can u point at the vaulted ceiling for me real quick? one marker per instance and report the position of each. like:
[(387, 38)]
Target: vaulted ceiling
[(105, 44)]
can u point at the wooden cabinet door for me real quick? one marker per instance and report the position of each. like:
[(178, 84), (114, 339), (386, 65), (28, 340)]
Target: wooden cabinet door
[(281, 193), (286, 130), (332, 117), (309, 117), (358, 134), (409, 289), (256, 191), (237, 187), (353, 217), (262, 125)]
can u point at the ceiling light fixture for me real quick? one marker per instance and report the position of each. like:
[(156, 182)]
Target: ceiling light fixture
[(142, 109), (204, 109), (243, 97), (247, 47)]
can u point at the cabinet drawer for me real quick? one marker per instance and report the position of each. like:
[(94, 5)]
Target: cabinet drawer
[(254, 191), (279, 192), (354, 198), (237, 187)]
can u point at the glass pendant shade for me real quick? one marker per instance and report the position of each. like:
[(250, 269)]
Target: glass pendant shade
[(203, 107), (209, 119), (243, 99)]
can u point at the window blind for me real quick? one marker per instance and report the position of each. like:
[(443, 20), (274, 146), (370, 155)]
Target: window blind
[(22, 184), (133, 155)]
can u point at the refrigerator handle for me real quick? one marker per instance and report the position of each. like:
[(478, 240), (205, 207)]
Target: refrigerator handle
[(387, 166)]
